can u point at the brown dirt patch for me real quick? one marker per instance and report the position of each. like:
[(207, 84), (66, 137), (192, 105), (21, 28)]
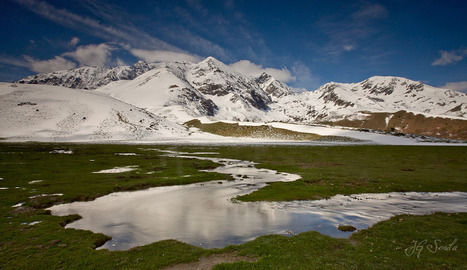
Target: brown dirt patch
[(207, 263), (407, 122)]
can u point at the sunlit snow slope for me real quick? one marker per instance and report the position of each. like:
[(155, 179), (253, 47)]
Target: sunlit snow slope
[(51, 113)]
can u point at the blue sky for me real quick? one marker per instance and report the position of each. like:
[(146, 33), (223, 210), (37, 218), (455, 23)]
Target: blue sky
[(303, 43)]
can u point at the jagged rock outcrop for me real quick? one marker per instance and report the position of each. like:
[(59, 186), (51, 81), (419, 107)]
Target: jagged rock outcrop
[(88, 77)]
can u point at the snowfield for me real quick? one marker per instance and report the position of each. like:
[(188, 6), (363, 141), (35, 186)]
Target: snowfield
[(52, 113)]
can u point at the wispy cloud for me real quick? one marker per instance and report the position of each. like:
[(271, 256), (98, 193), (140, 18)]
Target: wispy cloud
[(450, 57), (36, 65), (304, 79), (228, 27), (163, 56), (89, 55), (369, 12), (73, 42), (250, 69), (10, 61), (348, 48), (346, 32), (92, 55), (197, 43), (459, 86), (110, 31), (54, 64)]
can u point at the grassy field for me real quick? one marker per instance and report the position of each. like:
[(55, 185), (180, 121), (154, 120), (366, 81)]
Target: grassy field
[(30, 238), (327, 171), (262, 132)]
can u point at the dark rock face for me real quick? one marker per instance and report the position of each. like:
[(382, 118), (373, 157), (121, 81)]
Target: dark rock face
[(412, 88), (258, 101), (215, 89), (209, 107), (379, 89), (329, 96), (272, 86), (188, 96)]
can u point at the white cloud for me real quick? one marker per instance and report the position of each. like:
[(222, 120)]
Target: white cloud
[(459, 86), (73, 42), (449, 57), (44, 66), (163, 56), (91, 55), (6, 60), (120, 62), (305, 80), (250, 69), (348, 48)]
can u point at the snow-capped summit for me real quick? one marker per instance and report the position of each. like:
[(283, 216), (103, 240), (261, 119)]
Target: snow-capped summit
[(164, 92), (272, 86), (212, 77)]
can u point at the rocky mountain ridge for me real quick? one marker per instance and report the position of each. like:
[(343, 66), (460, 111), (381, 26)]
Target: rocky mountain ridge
[(90, 77), (181, 91)]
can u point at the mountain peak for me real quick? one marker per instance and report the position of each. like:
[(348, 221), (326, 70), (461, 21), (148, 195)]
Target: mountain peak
[(212, 61), (390, 80), (140, 62), (264, 77), (214, 67)]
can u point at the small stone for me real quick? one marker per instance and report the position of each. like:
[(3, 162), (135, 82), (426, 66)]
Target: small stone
[(54, 242)]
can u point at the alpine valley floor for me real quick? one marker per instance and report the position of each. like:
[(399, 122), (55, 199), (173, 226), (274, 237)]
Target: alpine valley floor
[(35, 176)]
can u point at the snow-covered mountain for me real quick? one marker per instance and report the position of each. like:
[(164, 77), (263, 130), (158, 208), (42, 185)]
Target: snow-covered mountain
[(181, 91), (88, 77), (338, 101), (43, 112), (163, 91)]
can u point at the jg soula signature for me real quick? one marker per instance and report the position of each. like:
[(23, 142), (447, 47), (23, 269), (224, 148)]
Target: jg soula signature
[(431, 246)]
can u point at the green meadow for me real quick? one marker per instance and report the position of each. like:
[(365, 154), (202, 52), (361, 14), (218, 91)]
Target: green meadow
[(36, 176)]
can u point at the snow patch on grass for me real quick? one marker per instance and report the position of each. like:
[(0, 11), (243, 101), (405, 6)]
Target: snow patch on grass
[(31, 223), (18, 205), (126, 154), (35, 181), (119, 169), (61, 151), (45, 195)]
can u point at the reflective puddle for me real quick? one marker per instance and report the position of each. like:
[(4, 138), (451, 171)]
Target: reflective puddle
[(204, 214)]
